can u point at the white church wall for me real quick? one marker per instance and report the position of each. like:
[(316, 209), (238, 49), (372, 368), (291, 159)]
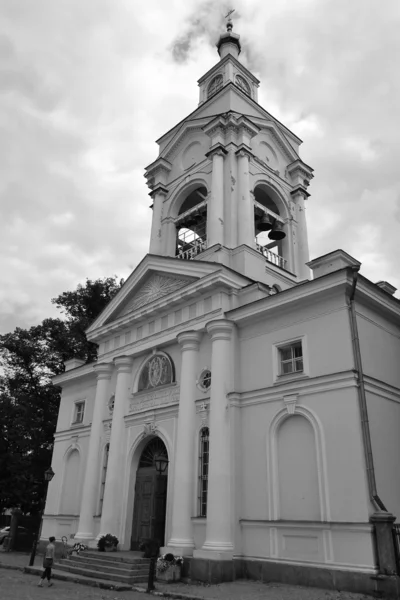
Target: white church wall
[(384, 421), (275, 519), (265, 147), (380, 345), (192, 151), (326, 354)]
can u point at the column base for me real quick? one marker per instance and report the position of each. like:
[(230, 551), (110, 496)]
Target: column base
[(177, 550), (213, 554), (83, 536), (211, 568)]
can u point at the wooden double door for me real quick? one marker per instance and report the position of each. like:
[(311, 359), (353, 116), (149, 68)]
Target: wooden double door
[(149, 507)]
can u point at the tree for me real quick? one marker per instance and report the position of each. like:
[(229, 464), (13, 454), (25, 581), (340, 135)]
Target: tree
[(28, 399)]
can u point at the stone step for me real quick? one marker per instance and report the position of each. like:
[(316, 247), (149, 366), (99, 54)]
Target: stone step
[(114, 557), (118, 586), (87, 572), (112, 568), (139, 564)]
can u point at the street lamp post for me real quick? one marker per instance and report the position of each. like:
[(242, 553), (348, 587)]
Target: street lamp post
[(48, 476), (161, 463)]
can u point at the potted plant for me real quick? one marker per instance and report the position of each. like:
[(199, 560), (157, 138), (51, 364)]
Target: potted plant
[(169, 567), (108, 542)]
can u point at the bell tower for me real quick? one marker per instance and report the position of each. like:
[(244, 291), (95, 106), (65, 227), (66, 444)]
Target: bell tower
[(229, 185)]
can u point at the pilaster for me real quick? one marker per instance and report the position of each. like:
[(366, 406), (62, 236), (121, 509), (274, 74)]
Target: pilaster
[(218, 543), (158, 195), (215, 209), (90, 485), (181, 540), (110, 518), (245, 222), (299, 195)]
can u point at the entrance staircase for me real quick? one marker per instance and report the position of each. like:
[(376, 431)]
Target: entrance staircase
[(118, 571)]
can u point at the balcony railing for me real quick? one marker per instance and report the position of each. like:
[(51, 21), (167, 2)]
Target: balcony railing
[(272, 257), (194, 249)]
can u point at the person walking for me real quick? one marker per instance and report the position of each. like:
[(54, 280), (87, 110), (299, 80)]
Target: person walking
[(48, 560)]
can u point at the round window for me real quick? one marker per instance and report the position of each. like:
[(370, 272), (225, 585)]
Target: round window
[(204, 381)]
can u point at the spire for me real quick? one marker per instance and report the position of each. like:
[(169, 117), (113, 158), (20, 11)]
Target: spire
[(228, 42)]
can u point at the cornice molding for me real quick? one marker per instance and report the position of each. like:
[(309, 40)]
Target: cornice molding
[(74, 374)]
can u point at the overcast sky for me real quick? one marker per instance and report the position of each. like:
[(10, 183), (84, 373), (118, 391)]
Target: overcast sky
[(87, 86)]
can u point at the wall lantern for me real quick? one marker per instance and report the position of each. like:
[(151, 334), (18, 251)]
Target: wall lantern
[(161, 463), (49, 474)]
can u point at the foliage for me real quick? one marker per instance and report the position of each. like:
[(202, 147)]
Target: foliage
[(78, 547), (165, 561), (29, 401), (107, 541)]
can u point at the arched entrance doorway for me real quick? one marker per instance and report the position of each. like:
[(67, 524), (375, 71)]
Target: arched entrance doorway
[(150, 496)]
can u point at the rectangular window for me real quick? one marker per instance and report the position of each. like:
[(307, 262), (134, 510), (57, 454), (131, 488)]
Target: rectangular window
[(103, 477), (79, 412), (203, 471), (291, 358)]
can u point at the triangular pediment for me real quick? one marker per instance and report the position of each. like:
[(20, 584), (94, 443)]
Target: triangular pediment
[(156, 286), (228, 99), (157, 279)]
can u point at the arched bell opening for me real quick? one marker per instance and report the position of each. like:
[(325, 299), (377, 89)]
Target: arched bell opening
[(191, 225), (150, 503), (269, 225)]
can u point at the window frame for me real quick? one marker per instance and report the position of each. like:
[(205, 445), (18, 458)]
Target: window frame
[(278, 375), (202, 491), (76, 412), (103, 477)]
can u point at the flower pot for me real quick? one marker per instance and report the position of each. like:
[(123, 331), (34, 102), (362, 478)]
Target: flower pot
[(173, 573)]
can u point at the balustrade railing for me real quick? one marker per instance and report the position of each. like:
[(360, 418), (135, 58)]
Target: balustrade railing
[(272, 257), (194, 249)]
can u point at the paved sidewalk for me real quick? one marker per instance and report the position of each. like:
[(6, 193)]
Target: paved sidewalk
[(237, 590)]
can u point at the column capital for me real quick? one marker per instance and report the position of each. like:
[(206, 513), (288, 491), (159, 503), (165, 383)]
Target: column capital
[(299, 192), (244, 151), (123, 364), (220, 329), (103, 370), (217, 150), (189, 340), (158, 190)]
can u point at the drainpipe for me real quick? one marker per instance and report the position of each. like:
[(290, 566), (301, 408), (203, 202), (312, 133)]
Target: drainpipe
[(381, 519), (377, 502)]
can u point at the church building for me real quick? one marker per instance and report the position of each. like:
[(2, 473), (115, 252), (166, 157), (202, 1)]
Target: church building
[(268, 384)]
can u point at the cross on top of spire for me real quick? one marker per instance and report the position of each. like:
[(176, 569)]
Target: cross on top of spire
[(229, 24)]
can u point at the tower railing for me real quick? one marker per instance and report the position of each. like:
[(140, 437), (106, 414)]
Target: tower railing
[(195, 248), (272, 257)]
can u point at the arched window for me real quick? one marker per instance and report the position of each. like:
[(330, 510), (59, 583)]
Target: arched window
[(191, 224), (215, 86), (157, 371), (269, 225), (103, 476), (242, 84), (203, 470)]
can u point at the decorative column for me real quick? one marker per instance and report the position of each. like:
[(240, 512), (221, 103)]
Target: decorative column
[(215, 207), (182, 510), (158, 195), (246, 232), (218, 543), (303, 256), (110, 518), (91, 483)]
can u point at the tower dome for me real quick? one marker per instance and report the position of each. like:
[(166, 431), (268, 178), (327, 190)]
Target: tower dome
[(229, 43)]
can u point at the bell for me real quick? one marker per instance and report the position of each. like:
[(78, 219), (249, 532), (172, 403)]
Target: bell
[(276, 235), (264, 224)]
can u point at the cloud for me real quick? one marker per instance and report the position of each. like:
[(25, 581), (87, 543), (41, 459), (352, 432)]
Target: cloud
[(86, 88)]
